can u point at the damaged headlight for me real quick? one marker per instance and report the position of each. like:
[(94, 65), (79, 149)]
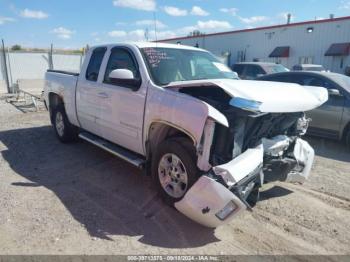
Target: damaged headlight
[(303, 125), (246, 104), (226, 211)]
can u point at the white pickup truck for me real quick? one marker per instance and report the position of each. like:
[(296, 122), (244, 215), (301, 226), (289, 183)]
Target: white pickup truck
[(208, 140)]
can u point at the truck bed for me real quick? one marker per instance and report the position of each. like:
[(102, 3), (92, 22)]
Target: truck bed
[(63, 72)]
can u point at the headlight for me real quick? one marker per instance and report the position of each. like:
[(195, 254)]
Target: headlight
[(250, 105), (226, 211), (303, 125)]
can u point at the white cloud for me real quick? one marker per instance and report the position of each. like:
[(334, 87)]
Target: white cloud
[(4, 20), (253, 19), (282, 17), (36, 14), (150, 35), (345, 5), (213, 25), (63, 33), (141, 35), (145, 5), (150, 23), (117, 34), (197, 10), (209, 26), (232, 11), (164, 34), (135, 35), (174, 11)]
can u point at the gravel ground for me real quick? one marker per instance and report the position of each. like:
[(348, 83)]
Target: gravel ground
[(78, 199)]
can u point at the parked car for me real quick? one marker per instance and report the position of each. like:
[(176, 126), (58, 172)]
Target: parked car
[(252, 70), (347, 71), (332, 119), (180, 114), (309, 67)]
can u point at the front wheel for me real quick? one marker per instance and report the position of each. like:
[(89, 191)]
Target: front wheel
[(347, 138), (174, 169)]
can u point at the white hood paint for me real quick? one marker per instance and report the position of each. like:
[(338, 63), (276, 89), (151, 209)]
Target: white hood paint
[(275, 97)]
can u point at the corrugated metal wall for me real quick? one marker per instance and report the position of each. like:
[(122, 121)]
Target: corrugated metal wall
[(34, 65), (260, 43)]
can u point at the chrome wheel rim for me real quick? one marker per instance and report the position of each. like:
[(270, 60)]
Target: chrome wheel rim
[(172, 175), (59, 124)]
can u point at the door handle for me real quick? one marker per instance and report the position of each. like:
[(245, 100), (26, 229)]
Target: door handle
[(102, 95)]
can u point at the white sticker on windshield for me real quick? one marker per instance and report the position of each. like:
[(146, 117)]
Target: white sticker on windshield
[(222, 67)]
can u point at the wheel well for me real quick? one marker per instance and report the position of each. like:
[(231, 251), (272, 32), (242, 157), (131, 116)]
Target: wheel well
[(54, 100), (158, 132)]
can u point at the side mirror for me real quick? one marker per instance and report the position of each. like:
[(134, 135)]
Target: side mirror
[(125, 78), (334, 92)]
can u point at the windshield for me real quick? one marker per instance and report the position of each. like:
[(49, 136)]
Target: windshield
[(168, 65), (271, 69)]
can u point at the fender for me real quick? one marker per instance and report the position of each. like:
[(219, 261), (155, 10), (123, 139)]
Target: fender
[(181, 111)]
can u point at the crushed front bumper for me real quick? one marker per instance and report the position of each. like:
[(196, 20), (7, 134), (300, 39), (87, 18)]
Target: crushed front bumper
[(226, 190), (218, 197)]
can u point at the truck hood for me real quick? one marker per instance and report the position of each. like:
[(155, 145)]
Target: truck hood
[(265, 96)]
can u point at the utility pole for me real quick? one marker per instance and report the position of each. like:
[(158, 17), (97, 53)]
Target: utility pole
[(50, 57), (5, 67)]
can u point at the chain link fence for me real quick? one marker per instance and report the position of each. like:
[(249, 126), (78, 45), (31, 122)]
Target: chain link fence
[(29, 65)]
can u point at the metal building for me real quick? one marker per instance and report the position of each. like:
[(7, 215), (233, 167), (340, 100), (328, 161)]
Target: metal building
[(325, 42)]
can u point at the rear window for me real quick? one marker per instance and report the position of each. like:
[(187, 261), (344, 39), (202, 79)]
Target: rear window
[(95, 64), (275, 69)]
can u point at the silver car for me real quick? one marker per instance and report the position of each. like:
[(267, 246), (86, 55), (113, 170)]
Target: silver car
[(332, 119)]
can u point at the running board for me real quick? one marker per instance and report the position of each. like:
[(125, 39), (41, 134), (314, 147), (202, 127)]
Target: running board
[(114, 149)]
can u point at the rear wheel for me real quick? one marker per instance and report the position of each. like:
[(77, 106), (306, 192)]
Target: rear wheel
[(174, 169), (65, 131)]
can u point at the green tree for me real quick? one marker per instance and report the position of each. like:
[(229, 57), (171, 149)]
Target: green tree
[(196, 33), (16, 47)]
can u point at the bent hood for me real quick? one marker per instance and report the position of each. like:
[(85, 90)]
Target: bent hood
[(265, 96)]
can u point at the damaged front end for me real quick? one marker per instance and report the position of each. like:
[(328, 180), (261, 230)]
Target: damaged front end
[(236, 159)]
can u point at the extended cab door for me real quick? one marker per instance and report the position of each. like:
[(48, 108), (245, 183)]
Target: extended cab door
[(89, 94), (122, 112)]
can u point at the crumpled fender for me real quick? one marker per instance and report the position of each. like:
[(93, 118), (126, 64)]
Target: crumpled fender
[(180, 110)]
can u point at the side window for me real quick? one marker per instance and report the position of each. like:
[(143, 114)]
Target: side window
[(297, 79), (313, 81), (120, 59), (253, 71), (281, 78), (95, 64), (238, 69), (329, 85)]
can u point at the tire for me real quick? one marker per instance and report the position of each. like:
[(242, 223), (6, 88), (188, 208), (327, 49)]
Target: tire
[(173, 180), (347, 138), (64, 130)]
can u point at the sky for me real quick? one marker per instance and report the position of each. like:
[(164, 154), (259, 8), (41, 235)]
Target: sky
[(76, 23)]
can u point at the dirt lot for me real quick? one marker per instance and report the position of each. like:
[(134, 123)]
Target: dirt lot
[(78, 199)]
